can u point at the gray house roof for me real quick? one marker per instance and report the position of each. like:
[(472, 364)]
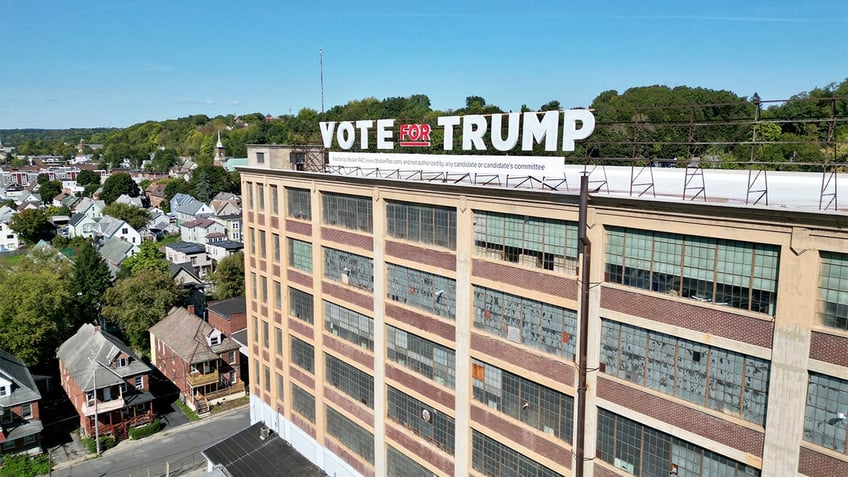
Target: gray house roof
[(190, 207), (115, 250), (91, 352), (187, 248), (24, 389), (76, 219), (186, 334)]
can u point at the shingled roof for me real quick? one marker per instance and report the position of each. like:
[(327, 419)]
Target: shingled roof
[(23, 389), (185, 333), (90, 344)]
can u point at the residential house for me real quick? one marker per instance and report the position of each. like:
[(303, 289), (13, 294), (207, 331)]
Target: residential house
[(196, 230), (200, 360), (106, 383), (110, 227), (228, 315), (179, 199), (219, 247), (194, 288), (225, 203), (71, 202), (232, 226), (155, 193), (191, 253), (133, 201), (114, 251), (191, 210), (82, 225), (90, 207), (19, 396), (9, 239)]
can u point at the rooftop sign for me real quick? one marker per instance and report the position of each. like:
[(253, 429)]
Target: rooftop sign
[(557, 130)]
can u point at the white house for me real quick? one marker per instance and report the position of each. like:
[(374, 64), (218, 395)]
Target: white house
[(197, 230), (110, 227), (8, 238)]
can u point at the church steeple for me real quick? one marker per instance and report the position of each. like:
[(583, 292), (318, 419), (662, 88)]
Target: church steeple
[(220, 157)]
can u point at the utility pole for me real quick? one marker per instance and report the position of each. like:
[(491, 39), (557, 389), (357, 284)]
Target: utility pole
[(96, 419), (585, 252)]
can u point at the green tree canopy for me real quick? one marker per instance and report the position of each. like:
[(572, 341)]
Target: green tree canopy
[(33, 303), (117, 184), (86, 177), (140, 301), (135, 216), (148, 258), (48, 190), (228, 277), (31, 225), (208, 181), (89, 280)]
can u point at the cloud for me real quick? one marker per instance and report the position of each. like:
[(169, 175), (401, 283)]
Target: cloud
[(235, 103)]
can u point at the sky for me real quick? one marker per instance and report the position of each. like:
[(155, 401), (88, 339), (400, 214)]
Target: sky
[(86, 63)]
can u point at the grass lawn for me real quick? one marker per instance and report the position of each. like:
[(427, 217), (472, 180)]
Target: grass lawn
[(192, 416), (10, 260)]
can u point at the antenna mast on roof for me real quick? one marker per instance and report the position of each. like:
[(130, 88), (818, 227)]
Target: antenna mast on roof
[(321, 64)]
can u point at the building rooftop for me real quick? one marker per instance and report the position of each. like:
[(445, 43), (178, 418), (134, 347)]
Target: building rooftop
[(229, 307), (258, 450)]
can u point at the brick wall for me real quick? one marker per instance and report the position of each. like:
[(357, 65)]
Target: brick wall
[(815, 464), (416, 446), (421, 322), (351, 239), (524, 278), (551, 367), (297, 227), (421, 385), (445, 260), (829, 348), (699, 318)]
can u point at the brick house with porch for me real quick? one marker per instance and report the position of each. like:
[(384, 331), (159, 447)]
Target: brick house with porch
[(19, 397), (106, 382), (198, 358)]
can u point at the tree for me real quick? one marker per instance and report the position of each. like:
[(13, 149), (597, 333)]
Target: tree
[(86, 177), (135, 216), (89, 280), (42, 178), (140, 301), (31, 225), (117, 184), (148, 258), (228, 277), (52, 210), (208, 181), (33, 303), (48, 190)]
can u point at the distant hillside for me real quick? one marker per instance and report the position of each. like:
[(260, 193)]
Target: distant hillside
[(642, 122)]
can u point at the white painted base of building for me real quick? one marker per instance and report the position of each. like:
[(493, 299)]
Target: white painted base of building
[(332, 465)]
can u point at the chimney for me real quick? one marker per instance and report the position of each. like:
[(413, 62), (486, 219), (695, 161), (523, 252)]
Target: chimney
[(190, 309)]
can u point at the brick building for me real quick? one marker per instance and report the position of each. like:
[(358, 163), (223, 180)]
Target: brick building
[(416, 328)]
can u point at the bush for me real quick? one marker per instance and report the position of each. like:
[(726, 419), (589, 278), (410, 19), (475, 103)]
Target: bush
[(145, 430), (20, 465), (106, 442)]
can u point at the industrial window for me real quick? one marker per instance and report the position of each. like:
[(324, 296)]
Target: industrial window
[(357, 384), (251, 235), (832, 305), (546, 327), (350, 434), (426, 291), (299, 204), (303, 354), (278, 295), (303, 403), (249, 194), (280, 387), (643, 451), (399, 465), (260, 195), (538, 406), (426, 224), (349, 269), (300, 255), (536, 242), (263, 251), (349, 325), (254, 287), (490, 457), (422, 419), (255, 329), (348, 211), (256, 373), (301, 305), (726, 272), (267, 378), (263, 282), (275, 200), (278, 341), (425, 357), (265, 337), (275, 243), (717, 378), (825, 418)]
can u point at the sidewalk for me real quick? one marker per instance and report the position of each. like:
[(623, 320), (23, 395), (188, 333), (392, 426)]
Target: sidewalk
[(75, 452)]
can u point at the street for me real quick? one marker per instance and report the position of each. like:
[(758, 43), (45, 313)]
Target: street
[(177, 449)]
